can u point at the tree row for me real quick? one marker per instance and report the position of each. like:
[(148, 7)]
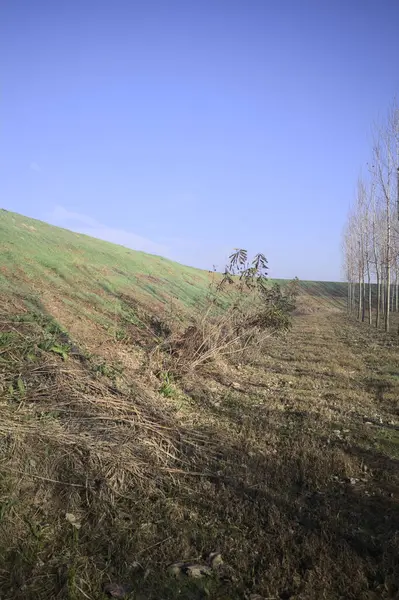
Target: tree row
[(371, 234)]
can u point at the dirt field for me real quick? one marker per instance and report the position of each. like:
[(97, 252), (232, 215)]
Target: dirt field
[(287, 466)]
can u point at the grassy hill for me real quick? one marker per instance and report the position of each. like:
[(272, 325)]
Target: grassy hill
[(284, 460), (85, 272)]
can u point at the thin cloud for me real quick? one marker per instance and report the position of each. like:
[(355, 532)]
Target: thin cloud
[(34, 167), (81, 223), (199, 253)]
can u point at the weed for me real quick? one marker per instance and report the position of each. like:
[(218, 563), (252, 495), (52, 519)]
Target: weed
[(5, 507), (21, 387), (167, 388), (107, 370), (61, 349), (104, 369), (17, 390), (120, 335), (6, 338)]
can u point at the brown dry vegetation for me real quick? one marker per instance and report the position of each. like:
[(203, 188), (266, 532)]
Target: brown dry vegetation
[(286, 463)]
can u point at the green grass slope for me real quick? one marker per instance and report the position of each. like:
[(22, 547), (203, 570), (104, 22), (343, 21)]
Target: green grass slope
[(90, 274), (83, 270)]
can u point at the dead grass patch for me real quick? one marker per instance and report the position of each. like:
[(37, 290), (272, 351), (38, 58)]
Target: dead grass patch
[(279, 472)]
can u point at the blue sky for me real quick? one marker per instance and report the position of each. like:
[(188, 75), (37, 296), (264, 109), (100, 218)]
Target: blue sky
[(188, 128)]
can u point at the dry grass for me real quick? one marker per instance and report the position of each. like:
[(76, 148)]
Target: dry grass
[(224, 328), (287, 465)]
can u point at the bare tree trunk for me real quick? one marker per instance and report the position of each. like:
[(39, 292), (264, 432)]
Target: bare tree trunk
[(349, 301), (383, 294), (369, 291), (351, 297), (363, 298), (392, 297), (377, 317), (387, 304), (395, 291), (359, 306)]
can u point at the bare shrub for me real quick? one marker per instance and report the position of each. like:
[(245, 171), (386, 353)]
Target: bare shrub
[(242, 311)]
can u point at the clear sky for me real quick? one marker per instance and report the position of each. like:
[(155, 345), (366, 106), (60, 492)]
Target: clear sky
[(190, 127)]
